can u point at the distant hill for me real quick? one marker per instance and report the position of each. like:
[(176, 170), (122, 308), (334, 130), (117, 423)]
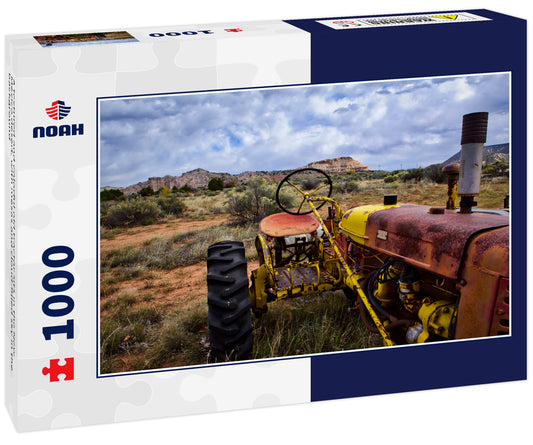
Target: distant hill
[(338, 165), (491, 153), (200, 178)]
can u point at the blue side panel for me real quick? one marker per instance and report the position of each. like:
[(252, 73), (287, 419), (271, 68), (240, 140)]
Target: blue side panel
[(412, 51), (412, 368), (421, 51)]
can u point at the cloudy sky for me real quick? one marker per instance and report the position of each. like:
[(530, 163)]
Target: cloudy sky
[(386, 125)]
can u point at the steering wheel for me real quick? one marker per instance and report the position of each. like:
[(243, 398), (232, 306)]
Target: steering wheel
[(306, 186)]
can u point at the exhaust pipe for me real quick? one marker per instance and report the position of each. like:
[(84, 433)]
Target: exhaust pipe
[(473, 138)]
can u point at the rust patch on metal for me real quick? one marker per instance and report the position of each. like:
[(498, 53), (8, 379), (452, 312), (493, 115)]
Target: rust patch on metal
[(283, 278), (451, 169), (300, 276), (284, 224), (491, 252), (484, 296), (500, 321), (433, 242)]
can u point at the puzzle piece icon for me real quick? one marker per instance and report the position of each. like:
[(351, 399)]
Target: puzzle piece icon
[(55, 369)]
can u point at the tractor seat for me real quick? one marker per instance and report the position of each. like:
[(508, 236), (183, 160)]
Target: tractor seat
[(285, 224)]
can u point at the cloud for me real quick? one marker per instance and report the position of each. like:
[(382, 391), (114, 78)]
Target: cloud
[(382, 124)]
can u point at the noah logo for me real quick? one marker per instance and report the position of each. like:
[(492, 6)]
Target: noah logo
[(58, 111)]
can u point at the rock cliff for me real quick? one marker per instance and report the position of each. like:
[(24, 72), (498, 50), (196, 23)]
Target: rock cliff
[(199, 177), (338, 165)]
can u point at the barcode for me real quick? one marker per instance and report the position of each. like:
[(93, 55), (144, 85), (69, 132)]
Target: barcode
[(398, 21)]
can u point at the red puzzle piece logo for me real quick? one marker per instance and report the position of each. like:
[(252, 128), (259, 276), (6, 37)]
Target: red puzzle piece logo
[(55, 369), (233, 30)]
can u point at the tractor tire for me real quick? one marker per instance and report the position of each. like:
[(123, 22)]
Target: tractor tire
[(228, 299)]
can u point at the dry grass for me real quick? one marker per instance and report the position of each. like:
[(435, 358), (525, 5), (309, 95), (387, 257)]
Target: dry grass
[(173, 251), (309, 325), (140, 337), (207, 204), (492, 193), (126, 323)]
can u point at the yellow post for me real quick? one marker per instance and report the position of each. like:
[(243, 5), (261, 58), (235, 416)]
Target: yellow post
[(452, 170)]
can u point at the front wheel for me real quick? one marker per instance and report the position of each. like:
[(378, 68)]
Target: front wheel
[(229, 315)]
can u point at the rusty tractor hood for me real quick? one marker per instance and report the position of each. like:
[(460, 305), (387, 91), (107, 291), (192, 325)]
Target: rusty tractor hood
[(434, 242)]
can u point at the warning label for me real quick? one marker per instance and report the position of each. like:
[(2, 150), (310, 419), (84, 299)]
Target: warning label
[(402, 20)]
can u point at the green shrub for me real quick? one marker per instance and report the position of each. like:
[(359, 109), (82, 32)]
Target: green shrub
[(349, 186), (497, 168), (415, 174), (434, 173), (256, 201), (147, 191), (310, 184), (352, 186), (186, 189), (130, 213), (390, 178), (370, 174), (230, 183), (215, 184), (110, 194), (171, 205)]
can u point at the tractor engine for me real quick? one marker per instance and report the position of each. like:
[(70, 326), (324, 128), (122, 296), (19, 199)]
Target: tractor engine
[(432, 274)]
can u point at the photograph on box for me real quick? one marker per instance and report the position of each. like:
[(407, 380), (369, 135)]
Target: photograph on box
[(85, 38), (287, 221)]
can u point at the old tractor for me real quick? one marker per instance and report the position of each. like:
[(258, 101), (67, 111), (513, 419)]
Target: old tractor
[(416, 273)]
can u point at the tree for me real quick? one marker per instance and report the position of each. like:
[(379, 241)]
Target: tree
[(110, 194), (163, 191), (147, 191), (186, 189), (434, 173), (215, 184)]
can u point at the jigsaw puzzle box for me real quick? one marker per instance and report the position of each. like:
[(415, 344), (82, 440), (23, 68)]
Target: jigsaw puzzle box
[(214, 217)]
